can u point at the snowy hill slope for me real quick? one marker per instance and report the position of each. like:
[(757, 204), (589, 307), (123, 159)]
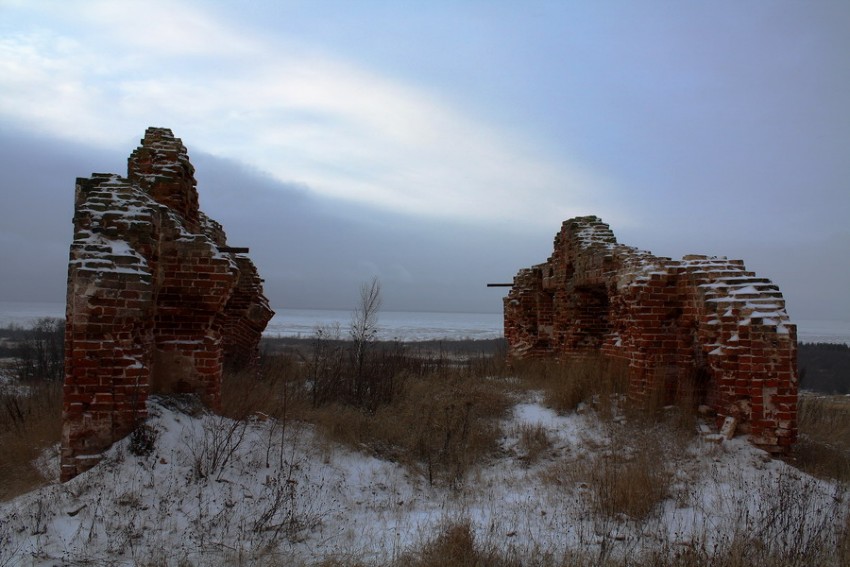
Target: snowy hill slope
[(214, 491)]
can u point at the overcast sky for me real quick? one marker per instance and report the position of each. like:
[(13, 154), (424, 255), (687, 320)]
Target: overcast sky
[(439, 145)]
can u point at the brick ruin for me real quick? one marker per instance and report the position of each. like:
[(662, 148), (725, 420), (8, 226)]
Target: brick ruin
[(157, 301), (702, 325)]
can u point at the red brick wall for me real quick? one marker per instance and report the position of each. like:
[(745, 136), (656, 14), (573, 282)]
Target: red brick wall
[(156, 301), (161, 168), (701, 324)]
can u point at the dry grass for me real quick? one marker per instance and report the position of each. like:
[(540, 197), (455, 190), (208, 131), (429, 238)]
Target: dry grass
[(626, 478), (631, 481), (442, 418), (591, 380), (276, 390), (748, 550), (30, 422), (438, 425), (629, 472), (823, 448), (534, 443), (456, 546)]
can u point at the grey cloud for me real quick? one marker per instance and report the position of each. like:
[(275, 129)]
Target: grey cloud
[(313, 252), (36, 209)]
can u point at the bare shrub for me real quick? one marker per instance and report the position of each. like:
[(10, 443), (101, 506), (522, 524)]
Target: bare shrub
[(213, 448), (282, 514), (842, 547), (285, 506), (451, 431), (30, 402), (436, 414), (383, 374), (787, 527), (359, 372), (490, 365), (142, 440), (325, 368), (795, 520), (336, 375)]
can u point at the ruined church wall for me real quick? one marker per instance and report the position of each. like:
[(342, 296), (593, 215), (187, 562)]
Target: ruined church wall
[(157, 302), (701, 327)]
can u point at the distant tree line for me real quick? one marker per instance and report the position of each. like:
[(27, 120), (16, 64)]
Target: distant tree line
[(824, 367), (34, 353), (37, 352)]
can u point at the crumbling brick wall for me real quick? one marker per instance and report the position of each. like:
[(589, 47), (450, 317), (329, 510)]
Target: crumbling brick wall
[(700, 325), (157, 301)]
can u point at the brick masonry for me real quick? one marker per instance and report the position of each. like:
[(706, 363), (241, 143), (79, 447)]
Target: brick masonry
[(157, 302), (701, 326)]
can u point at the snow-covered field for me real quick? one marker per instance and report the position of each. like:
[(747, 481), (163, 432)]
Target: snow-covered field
[(214, 491), (392, 325)]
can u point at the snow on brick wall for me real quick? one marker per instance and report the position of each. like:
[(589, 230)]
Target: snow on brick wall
[(157, 301), (700, 324)]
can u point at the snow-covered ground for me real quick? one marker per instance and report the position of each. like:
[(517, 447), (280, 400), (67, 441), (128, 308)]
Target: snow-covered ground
[(214, 491)]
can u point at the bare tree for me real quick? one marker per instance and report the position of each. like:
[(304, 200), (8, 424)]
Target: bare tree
[(364, 329), (41, 354)]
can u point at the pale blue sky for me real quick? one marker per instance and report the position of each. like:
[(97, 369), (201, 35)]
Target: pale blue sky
[(440, 144)]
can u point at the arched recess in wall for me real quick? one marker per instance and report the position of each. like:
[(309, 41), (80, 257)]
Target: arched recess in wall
[(545, 318), (591, 308)]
